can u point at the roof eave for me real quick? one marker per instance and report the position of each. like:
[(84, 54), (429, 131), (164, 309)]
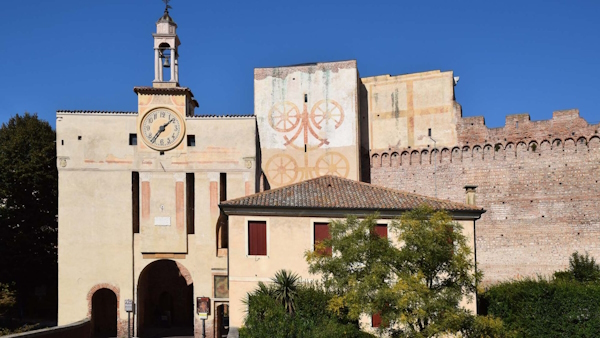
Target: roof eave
[(237, 210)]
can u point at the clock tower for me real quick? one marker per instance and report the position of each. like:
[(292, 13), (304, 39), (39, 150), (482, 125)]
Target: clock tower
[(163, 107)]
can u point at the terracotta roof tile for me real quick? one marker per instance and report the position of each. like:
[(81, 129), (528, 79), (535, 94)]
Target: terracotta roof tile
[(331, 192)]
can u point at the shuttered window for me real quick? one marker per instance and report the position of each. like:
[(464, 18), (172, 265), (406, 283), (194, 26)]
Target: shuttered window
[(321, 233), (257, 238), (376, 320), (381, 230)]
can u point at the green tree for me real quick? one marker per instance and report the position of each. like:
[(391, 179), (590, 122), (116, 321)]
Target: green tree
[(28, 203), (416, 287), (582, 268)]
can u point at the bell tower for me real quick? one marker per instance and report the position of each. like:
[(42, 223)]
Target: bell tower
[(166, 45)]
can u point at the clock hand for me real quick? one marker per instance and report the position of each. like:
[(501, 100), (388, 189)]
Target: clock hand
[(166, 124), (160, 130)]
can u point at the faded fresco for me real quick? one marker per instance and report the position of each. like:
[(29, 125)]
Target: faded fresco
[(307, 121)]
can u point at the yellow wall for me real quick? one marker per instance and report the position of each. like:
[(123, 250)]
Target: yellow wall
[(95, 203), (402, 108), (288, 238)]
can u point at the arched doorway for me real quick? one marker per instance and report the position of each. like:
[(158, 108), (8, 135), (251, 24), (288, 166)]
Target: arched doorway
[(104, 313), (165, 300)]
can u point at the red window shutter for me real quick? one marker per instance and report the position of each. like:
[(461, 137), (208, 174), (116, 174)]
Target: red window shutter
[(381, 230), (321, 233), (376, 320), (257, 238)]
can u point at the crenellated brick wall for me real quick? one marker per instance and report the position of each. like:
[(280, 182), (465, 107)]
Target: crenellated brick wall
[(539, 182)]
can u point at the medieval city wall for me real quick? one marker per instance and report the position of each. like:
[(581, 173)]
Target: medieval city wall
[(538, 181)]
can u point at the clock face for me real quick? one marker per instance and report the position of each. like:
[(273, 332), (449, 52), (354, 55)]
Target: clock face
[(162, 129)]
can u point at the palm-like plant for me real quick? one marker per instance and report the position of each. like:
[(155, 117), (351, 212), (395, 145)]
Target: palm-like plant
[(285, 289)]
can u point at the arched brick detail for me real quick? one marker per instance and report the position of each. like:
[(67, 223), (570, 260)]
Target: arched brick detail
[(425, 158), (385, 160), (375, 162), (185, 273), (121, 324), (97, 287)]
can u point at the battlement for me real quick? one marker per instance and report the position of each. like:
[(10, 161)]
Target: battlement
[(519, 127), (507, 151)]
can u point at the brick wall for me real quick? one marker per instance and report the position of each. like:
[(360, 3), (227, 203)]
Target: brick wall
[(538, 181)]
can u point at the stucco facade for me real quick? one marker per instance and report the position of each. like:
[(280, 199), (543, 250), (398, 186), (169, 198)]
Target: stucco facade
[(98, 244), (246, 270)]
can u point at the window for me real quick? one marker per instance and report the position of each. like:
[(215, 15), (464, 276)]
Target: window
[(376, 320), (257, 238), (191, 140), (135, 201), (133, 139), (381, 230), (321, 233), (190, 202), (222, 222)]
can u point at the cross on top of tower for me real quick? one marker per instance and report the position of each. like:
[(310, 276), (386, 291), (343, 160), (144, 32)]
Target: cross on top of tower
[(167, 5)]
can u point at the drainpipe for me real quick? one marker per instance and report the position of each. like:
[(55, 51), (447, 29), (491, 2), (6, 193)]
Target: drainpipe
[(470, 199)]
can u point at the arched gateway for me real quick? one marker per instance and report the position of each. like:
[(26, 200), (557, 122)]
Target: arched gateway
[(165, 300)]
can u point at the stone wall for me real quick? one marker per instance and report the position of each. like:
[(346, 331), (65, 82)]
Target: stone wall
[(538, 181)]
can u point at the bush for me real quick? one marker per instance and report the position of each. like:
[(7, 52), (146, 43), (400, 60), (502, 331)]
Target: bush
[(581, 268), (486, 327), (541, 308), (268, 316)]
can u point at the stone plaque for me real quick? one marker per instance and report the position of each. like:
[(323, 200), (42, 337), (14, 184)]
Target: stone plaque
[(162, 221)]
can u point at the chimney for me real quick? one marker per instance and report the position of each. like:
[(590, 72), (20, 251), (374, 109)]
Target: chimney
[(471, 190)]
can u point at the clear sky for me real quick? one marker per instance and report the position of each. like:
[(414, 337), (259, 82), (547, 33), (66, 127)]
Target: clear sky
[(512, 56)]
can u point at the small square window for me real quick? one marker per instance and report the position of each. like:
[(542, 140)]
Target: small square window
[(133, 139), (191, 140)]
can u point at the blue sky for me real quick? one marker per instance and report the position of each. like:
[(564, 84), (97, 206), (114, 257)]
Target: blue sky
[(512, 56)]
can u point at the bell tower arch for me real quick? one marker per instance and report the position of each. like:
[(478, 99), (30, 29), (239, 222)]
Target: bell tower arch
[(166, 46)]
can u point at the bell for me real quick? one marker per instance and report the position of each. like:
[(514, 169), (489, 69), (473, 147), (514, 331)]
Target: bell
[(167, 63)]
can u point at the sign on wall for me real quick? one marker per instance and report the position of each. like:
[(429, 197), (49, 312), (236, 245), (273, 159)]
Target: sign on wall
[(128, 305), (203, 306)]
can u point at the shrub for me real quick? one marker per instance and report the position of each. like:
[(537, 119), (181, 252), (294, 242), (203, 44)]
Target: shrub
[(270, 316), (541, 308)]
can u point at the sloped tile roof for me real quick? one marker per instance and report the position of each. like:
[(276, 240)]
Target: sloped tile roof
[(331, 192)]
